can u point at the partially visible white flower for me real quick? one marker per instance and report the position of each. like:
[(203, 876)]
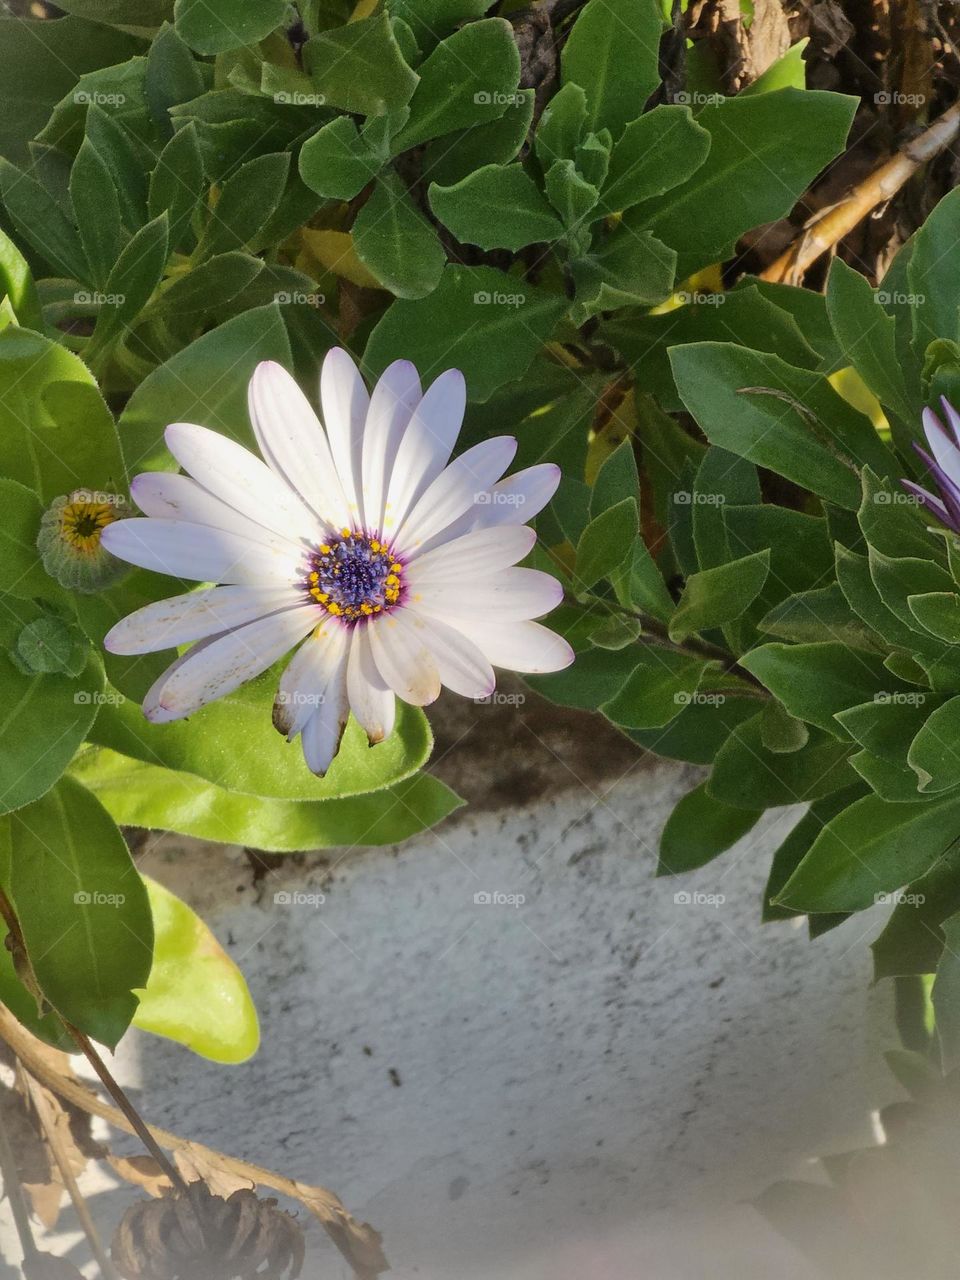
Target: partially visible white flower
[(393, 565)]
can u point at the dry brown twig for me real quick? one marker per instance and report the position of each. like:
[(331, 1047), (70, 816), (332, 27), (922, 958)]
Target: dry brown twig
[(828, 227), (357, 1241)]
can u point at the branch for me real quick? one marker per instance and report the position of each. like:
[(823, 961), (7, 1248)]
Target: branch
[(357, 1241), (826, 228)]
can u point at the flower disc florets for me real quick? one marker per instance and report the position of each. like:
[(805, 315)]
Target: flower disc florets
[(354, 576)]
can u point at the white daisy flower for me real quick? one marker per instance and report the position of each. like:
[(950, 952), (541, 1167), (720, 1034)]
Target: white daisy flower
[(394, 566)]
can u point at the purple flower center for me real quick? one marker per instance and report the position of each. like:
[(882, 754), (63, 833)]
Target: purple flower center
[(354, 576)]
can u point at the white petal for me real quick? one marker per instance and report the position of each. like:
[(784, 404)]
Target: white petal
[(455, 491), (194, 616), (231, 660), (240, 479), (294, 443), (371, 701), (318, 662), (402, 658), (518, 498), (460, 664), (151, 702), (394, 399), (344, 402), (198, 552), (322, 733), (167, 495), (514, 500), (519, 646), (511, 594), (426, 445), (941, 446), (474, 555)]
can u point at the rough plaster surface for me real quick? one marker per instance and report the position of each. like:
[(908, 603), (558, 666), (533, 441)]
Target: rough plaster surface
[(586, 1084)]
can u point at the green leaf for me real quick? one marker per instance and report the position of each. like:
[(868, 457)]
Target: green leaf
[(939, 613), (765, 152), (248, 199), (45, 1026), (898, 578), (856, 582), (821, 614), (617, 479), (626, 270), (359, 67), (912, 940), (96, 208), (815, 681), (40, 63), (213, 26), (453, 157), (41, 222), (478, 320), (661, 684), (570, 194), (132, 281), (715, 596), (889, 722), (470, 78), (16, 284), (195, 994), (498, 206), (21, 573), (233, 744), (657, 151), (794, 848), (934, 755), (870, 849), (124, 163), (177, 183), (56, 432), (789, 71), (606, 542), (45, 717), (639, 584), (145, 795), (867, 335), (722, 480), (429, 20), (396, 243), (209, 286), (698, 732), (337, 162), (780, 731), (172, 75), (561, 125), (945, 995), (748, 776), (82, 908), (612, 53), (139, 16), (933, 309), (206, 382), (788, 419), (699, 829)]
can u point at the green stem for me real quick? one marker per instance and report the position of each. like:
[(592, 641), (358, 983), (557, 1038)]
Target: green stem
[(653, 631)]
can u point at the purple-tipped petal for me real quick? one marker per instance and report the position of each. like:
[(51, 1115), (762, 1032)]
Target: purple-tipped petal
[(932, 504), (953, 418), (949, 492)]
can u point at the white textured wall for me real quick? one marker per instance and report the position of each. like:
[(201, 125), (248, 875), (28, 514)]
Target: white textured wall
[(585, 1086)]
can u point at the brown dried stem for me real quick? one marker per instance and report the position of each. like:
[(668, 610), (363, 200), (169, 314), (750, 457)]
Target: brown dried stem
[(829, 226)]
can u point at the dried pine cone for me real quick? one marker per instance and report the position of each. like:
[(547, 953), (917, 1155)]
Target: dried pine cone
[(201, 1236)]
